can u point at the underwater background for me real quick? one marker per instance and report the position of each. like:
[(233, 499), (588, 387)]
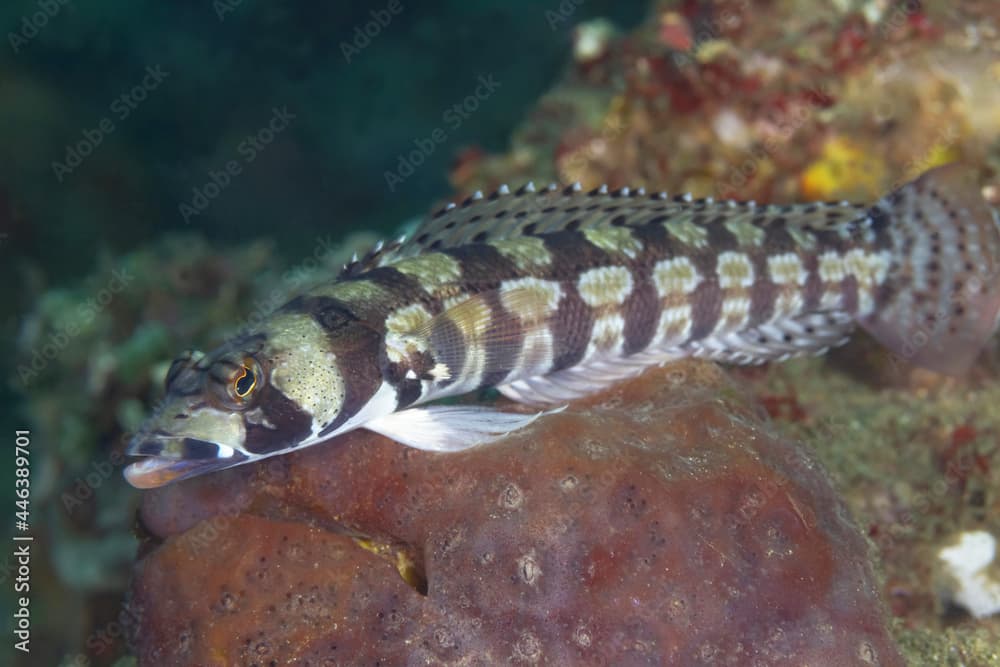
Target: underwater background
[(172, 171)]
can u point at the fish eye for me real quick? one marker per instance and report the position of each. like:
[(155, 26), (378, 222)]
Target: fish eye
[(245, 381)]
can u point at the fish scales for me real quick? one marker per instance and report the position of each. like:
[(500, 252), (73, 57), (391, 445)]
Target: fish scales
[(613, 269), (554, 294)]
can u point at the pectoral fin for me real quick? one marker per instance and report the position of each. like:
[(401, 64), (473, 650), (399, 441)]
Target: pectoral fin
[(450, 428)]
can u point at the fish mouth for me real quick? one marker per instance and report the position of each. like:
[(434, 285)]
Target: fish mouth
[(171, 459)]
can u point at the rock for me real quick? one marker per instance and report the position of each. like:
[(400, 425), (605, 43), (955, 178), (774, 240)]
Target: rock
[(970, 577), (659, 523)]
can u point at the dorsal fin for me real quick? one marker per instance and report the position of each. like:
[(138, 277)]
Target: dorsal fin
[(506, 214), (376, 256)]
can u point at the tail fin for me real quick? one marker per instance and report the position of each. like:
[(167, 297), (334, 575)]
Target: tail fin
[(939, 304)]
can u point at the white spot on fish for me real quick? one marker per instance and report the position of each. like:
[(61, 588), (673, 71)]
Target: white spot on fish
[(675, 276), (675, 325), (605, 286), (735, 270), (787, 269)]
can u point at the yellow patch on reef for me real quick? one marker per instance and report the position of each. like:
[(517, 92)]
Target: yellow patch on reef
[(942, 152), (615, 240), (526, 252), (844, 170), (432, 271), (404, 564)]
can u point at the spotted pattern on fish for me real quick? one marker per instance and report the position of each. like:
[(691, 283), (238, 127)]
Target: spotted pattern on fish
[(553, 293)]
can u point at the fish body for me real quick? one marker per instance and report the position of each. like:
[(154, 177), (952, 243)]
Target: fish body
[(554, 294)]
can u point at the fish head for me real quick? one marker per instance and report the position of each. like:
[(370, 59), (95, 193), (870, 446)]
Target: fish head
[(200, 425), (307, 378)]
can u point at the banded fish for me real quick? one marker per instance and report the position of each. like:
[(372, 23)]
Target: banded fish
[(554, 294)]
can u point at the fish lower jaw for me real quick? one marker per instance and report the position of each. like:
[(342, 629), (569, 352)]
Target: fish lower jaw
[(155, 471)]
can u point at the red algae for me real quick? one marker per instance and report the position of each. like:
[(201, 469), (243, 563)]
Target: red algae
[(659, 523)]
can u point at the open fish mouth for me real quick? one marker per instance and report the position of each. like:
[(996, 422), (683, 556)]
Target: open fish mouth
[(171, 459)]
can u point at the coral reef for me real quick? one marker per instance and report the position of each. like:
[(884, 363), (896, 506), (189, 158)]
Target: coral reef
[(661, 521), (778, 101)]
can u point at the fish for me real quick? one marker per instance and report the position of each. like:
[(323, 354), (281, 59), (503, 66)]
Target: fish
[(555, 293)]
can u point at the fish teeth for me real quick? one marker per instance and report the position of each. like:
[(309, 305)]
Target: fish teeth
[(503, 189), (477, 195), (603, 189), (527, 187), (449, 206)]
